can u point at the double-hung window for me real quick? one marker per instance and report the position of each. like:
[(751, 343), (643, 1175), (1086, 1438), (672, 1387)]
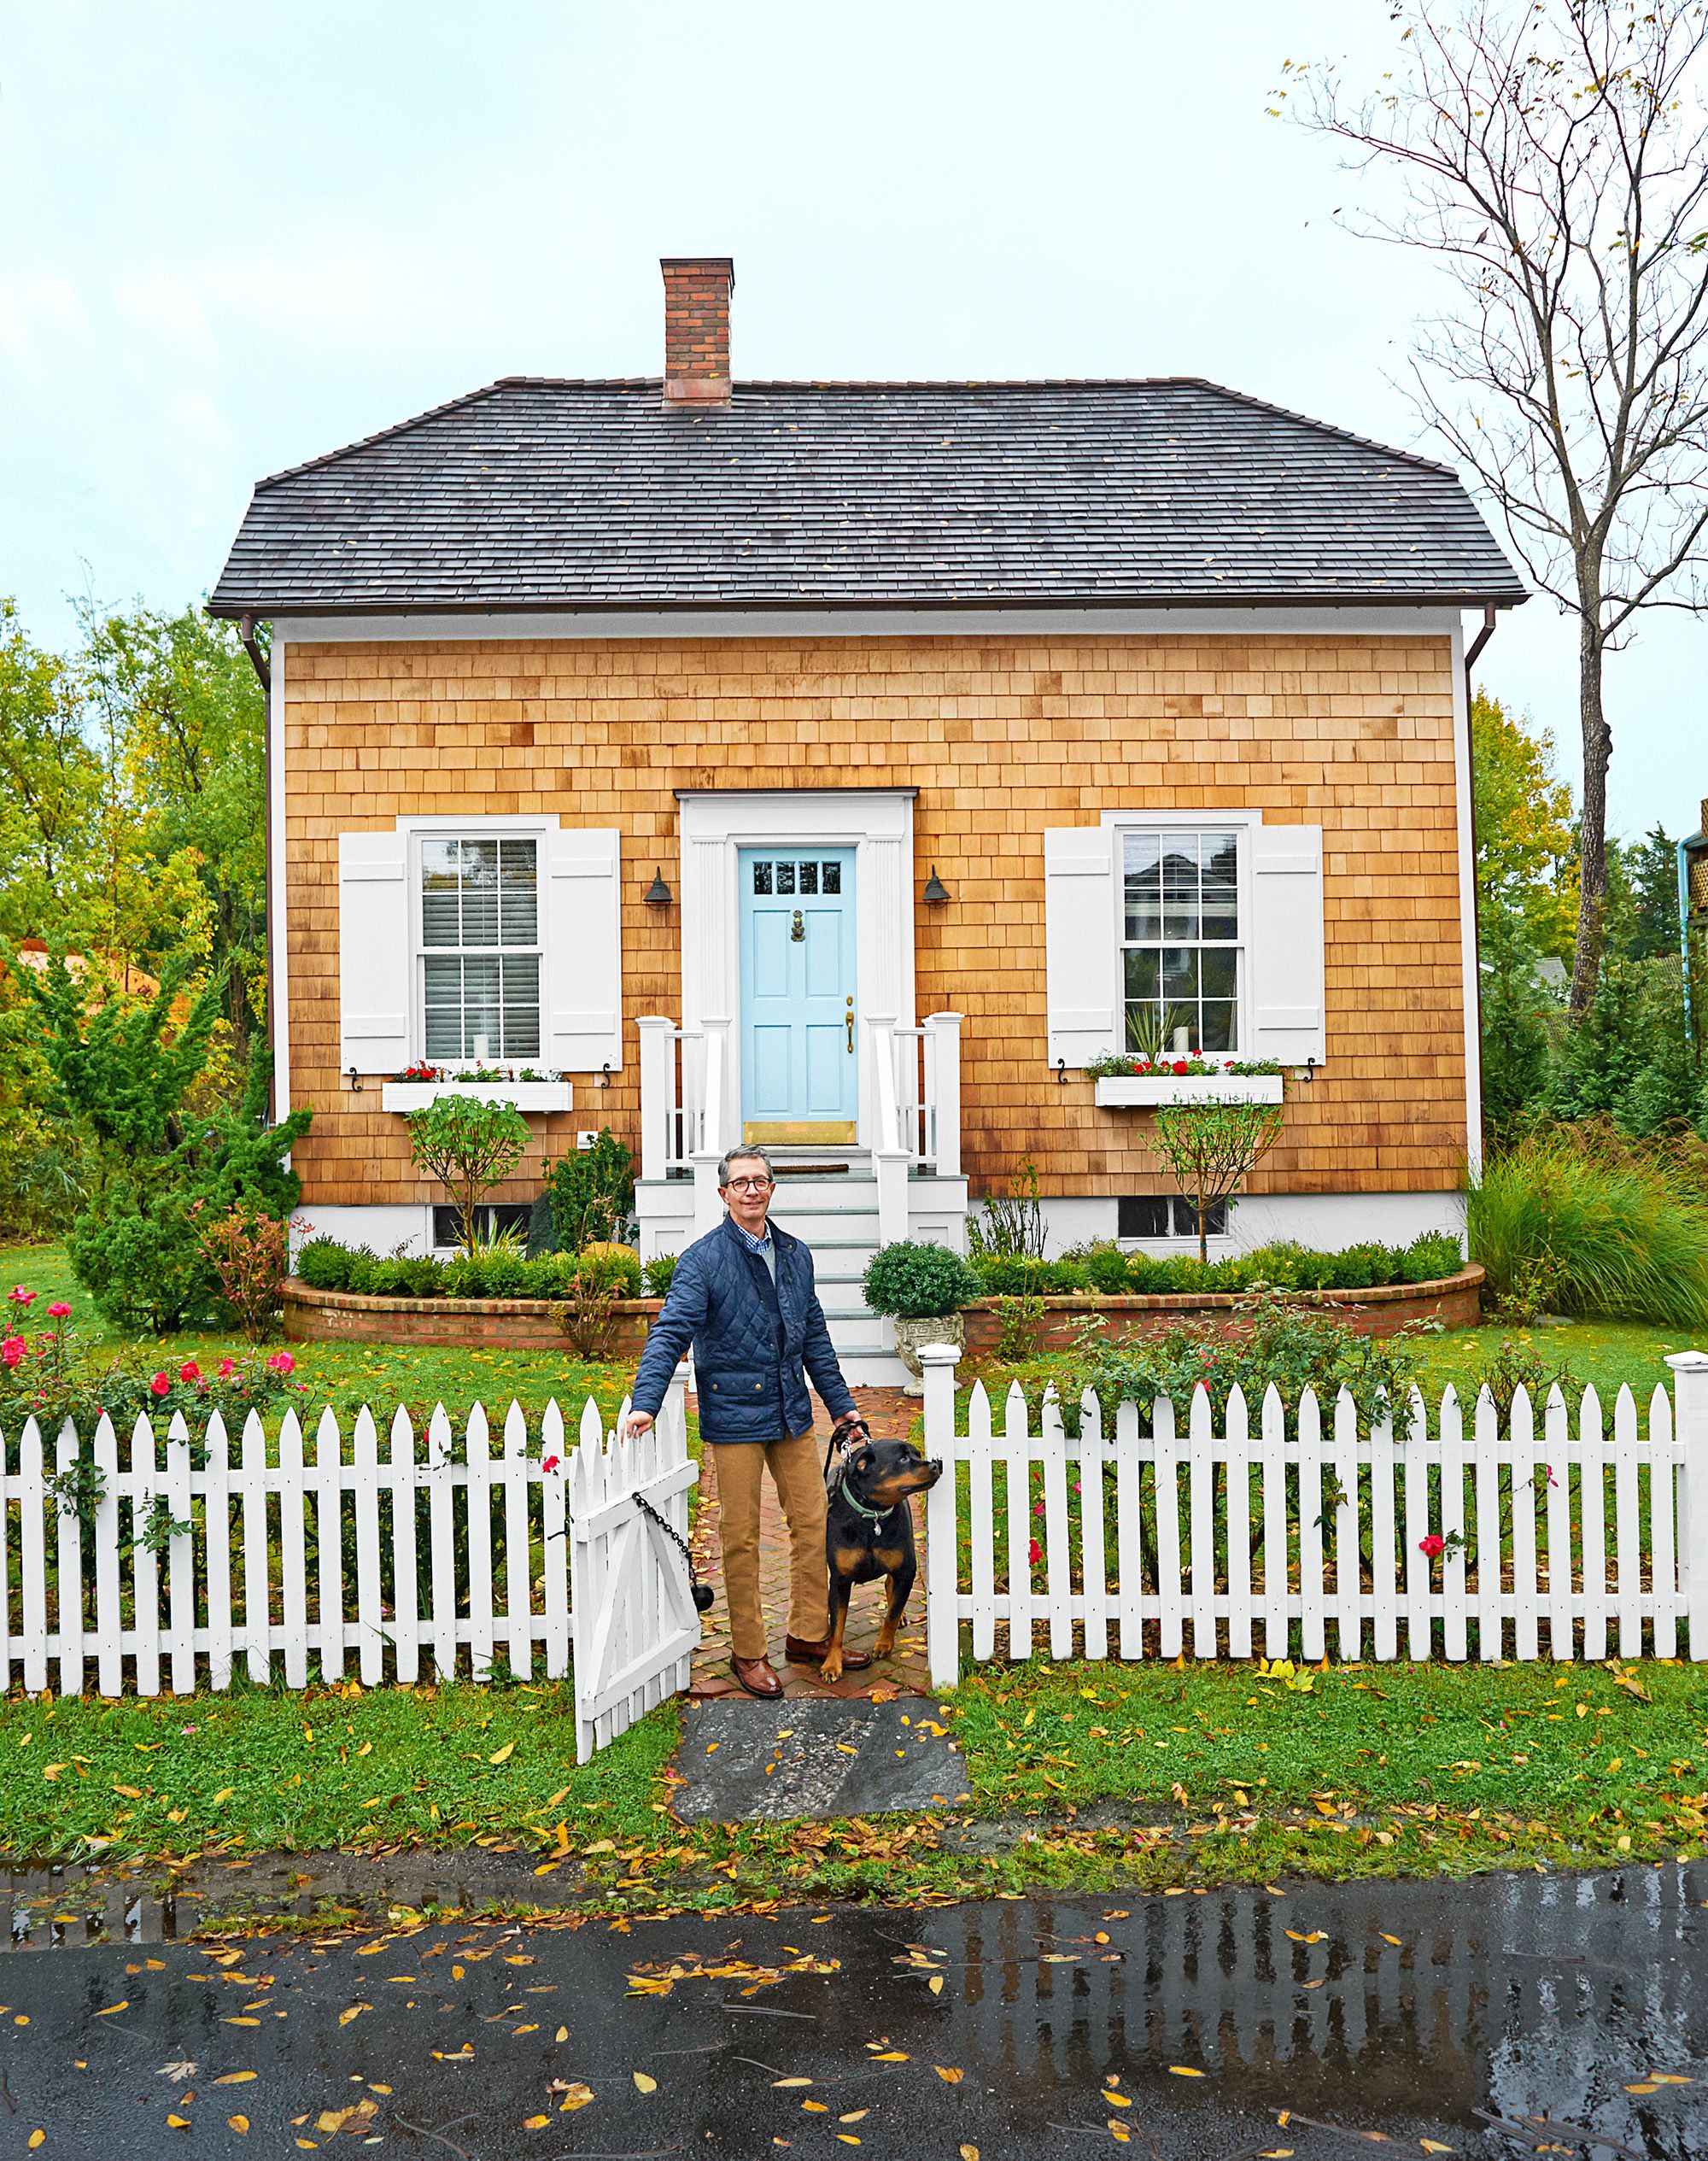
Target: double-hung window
[(480, 948), (1180, 944)]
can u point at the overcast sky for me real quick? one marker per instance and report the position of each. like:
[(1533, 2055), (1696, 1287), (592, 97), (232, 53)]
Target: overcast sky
[(234, 237)]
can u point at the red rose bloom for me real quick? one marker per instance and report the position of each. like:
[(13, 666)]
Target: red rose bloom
[(160, 1385), (189, 1370), (1433, 1545), (1034, 1553)]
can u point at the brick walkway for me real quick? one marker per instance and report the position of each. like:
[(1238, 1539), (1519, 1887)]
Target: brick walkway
[(890, 1413)]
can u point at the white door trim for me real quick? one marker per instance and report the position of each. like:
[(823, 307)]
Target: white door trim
[(877, 823)]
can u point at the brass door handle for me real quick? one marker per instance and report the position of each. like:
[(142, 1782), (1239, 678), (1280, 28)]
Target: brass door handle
[(849, 1017)]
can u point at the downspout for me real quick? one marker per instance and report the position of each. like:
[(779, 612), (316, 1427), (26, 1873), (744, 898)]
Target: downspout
[(258, 661), (1477, 645)]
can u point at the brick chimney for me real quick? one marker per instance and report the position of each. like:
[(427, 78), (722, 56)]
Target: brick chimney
[(697, 289)]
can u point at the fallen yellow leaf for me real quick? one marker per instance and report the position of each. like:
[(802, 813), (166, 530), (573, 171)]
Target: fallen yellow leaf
[(1184, 2070), (792, 2081), (535, 2122), (949, 2076), (935, 1984), (1434, 2146), (645, 2085), (1669, 2078), (224, 1794), (503, 1755), (562, 2034), (853, 2116), (817, 2108), (890, 2056), (130, 1793), (969, 2153), (179, 2123), (240, 2125), (233, 2022), (1644, 2086), (123, 2004), (36, 2138), (578, 2097), (234, 2078), (1117, 2100), (355, 2010), (1398, 1946)]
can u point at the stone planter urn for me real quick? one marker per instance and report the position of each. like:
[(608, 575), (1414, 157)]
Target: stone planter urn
[(947, 1327)]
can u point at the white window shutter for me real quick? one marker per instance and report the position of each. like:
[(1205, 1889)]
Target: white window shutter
[(1081, 955), (583, 980), (375, 946), (1284, 945)]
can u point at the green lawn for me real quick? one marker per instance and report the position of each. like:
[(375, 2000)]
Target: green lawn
[(1096, 1775), (348, 1375)]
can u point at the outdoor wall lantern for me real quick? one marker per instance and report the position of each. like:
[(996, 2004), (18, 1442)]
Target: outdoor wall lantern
[(658, 894), (936, 893)]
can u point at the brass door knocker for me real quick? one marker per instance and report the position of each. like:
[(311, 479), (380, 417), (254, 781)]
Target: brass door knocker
[(798, 931)]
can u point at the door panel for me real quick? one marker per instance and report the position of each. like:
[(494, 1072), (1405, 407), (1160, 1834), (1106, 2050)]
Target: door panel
[(799, 1069)]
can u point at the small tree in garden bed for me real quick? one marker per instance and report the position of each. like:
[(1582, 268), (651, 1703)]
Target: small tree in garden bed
[(1212, 1148), (250, 1254), (591, 1194), (469, 1146)]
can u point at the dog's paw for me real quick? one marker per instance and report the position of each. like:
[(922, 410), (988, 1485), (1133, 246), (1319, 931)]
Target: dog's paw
[(831, 1670)]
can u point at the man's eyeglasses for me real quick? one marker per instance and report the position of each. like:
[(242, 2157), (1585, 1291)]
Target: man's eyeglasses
[(750, 1185)]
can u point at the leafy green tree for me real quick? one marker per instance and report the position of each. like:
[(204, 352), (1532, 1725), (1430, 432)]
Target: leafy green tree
[(1515, 1010), (1212, 1148), (1526, 849), (1642, 896), (179, 702), (49, 786)]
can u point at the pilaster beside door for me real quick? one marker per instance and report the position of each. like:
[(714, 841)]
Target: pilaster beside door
[(799, 1021)]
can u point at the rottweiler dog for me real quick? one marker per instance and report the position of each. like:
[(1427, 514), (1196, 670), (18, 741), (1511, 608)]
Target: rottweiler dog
[(868, 1534)]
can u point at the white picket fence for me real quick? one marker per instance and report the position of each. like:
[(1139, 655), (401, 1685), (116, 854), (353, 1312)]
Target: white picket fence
[(586, 1580), (1299, 1538)]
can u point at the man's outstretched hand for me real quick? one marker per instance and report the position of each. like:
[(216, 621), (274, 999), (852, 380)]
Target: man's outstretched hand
[(635, 1424)]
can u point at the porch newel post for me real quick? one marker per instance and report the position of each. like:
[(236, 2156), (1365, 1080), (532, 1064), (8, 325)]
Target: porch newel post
[(1690, 1431), (714, 1138), (890, 1160), (945, 1028), (657, 1092), (942, 1568)]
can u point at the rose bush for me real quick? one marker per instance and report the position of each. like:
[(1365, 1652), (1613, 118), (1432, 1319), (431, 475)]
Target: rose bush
[(55, 1374)]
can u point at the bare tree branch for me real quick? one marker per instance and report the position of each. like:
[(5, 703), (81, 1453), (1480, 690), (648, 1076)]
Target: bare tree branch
[(1554, 155)]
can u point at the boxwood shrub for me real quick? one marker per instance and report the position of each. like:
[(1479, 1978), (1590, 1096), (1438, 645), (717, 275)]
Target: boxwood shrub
[(1106, 1270)]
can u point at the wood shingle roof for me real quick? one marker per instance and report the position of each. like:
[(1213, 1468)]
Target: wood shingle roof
[(563, 495)]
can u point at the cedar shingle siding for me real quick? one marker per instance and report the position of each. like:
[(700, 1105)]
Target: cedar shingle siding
[(1002, 737)]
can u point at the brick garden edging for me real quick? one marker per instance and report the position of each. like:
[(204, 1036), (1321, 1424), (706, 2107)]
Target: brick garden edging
[(531, 1324), (1381, 1310), (523, 1324)]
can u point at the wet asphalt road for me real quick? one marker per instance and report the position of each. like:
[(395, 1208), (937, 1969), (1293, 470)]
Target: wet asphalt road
[(1206, 2014)]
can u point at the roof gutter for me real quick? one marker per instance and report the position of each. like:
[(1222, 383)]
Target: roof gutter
[(258, 659)]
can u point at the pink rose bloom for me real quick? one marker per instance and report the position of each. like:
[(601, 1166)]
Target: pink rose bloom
[(18, 1296), (58, 1311), (227, 1368), (1433, 1545), (160, 1385), (12, 1350), (189, 1370), (281, 1362)]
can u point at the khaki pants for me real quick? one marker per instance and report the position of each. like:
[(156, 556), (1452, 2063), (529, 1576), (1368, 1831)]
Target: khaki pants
[(794, 1466)]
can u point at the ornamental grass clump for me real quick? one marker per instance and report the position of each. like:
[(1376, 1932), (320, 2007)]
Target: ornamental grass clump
[(1551, 1221)]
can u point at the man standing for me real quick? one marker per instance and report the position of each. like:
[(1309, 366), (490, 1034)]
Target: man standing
[(744, 1296)]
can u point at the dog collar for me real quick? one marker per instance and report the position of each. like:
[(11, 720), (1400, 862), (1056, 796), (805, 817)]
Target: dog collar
[(872, 1516)]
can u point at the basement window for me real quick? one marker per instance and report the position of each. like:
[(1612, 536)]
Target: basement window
[(1146, 1215)]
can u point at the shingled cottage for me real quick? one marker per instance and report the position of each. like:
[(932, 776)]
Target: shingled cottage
[(848, 766)]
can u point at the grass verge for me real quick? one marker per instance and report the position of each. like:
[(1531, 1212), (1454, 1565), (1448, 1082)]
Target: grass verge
[(1093, 1776)]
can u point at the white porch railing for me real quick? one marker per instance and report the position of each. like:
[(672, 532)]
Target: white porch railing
[(1445, 1529), (689, 1106)]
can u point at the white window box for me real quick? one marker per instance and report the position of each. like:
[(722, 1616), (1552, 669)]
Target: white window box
[(1138, 1092), (526, 1095)]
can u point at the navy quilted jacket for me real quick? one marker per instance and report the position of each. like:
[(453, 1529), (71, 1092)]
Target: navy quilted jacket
[(754, 1344)]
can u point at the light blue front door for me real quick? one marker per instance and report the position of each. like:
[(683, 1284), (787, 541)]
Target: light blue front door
[(798, 1031)]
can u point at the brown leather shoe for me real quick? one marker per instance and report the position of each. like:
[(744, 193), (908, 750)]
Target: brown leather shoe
[(758, 1676), (799, 1654)]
